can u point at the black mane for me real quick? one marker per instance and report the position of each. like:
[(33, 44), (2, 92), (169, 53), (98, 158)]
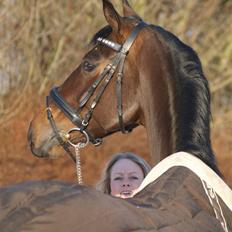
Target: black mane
[(192, 126)]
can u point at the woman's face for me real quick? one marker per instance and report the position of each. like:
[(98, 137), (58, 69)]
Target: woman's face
[(125, 177)]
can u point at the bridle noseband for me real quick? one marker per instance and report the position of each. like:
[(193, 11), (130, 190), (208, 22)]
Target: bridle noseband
[(105, 77)]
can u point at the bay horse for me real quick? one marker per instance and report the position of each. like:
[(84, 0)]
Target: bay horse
[(163, 89), (133, 74)]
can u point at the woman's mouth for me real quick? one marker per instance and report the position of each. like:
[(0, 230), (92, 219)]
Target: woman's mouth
[(126, 193)]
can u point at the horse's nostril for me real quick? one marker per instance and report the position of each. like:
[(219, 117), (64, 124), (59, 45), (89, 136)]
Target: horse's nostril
[(29, 135)]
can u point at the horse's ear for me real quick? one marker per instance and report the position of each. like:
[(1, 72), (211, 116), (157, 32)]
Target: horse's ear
[(111, 15), (128, 11)]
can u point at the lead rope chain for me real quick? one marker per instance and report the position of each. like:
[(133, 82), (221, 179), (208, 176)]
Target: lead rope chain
[(78, 163), (213, 199), (77, 148)]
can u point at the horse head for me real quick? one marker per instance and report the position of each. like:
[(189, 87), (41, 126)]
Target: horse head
[(91, 88)]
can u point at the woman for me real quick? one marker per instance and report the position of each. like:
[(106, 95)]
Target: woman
[(123, 175)]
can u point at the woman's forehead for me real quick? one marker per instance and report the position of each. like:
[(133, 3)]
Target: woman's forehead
[(125, 165)]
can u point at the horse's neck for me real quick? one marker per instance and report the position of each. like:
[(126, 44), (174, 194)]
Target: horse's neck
[(156, 108), (176, 118)]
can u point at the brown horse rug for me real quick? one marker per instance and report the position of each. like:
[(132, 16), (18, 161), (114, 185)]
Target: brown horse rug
[(180, 194)]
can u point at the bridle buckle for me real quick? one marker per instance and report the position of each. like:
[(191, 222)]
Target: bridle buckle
[(84, 123)]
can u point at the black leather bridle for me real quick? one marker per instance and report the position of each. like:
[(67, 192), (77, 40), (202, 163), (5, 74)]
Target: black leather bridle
[(105, 77)]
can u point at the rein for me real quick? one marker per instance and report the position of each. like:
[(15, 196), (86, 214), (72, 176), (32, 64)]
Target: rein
[(81, 123)]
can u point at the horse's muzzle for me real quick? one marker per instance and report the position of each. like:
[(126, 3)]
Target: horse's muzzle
[(37, 152)]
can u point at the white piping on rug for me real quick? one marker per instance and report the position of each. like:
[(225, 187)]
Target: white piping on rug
[(195, 165)]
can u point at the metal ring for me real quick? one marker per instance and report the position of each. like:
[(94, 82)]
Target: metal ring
[(79, 145), (84, 123)]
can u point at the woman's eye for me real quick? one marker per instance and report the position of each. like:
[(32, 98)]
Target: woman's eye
[(134, 178), (88, 67), (117, 178)]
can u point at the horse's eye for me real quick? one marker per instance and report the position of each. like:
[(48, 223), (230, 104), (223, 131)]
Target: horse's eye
[(88, 67)]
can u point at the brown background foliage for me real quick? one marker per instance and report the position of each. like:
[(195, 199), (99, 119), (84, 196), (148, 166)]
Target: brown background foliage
[(41, 42)]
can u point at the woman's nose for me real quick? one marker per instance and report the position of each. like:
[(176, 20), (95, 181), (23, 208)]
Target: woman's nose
[(126, 184)]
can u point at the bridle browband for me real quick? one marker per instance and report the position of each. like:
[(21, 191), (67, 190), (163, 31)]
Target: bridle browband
[(105, 77)]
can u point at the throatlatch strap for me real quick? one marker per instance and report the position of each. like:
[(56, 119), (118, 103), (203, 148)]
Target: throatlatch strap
[(124, 50), (119, 93)]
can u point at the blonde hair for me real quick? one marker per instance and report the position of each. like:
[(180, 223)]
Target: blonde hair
[(104, 184)]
